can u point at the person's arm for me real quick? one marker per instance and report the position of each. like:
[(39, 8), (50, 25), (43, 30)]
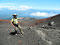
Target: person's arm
[(12, 23), (20, 18)]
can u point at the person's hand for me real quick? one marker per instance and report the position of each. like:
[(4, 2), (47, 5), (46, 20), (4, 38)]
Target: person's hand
[(12, 24), (21, 18)]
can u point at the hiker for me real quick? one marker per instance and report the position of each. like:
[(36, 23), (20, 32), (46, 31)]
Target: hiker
[(14, 23)]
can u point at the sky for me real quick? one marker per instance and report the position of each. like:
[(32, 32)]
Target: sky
[(22, 5), (34, 4)]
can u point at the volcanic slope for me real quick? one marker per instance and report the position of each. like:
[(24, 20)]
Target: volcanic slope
[(34, 32)]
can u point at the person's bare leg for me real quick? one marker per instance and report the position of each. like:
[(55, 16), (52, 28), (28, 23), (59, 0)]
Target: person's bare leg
[(20, 29)]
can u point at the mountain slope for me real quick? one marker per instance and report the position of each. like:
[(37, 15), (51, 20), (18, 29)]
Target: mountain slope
[(36, 35)]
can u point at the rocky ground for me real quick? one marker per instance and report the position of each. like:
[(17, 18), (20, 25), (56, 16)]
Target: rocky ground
[(34, 33)]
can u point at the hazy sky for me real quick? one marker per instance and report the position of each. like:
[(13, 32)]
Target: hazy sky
[(22, 5), (35, 4)]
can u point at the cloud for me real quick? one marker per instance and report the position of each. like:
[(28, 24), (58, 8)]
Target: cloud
[(39, 14), (16, 7), (8, 7), (13, 8), (44, 14), (25, 7), (20, 8), (57, 8)]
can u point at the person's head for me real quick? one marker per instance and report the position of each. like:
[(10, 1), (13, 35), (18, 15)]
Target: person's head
[(14, 16)]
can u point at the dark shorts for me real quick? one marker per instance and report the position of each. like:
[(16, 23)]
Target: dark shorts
[(15, 25)]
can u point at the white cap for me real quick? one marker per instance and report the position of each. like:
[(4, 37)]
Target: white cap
[(14, 14)]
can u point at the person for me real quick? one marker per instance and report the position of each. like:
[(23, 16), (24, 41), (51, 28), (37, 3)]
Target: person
[(14, 23)]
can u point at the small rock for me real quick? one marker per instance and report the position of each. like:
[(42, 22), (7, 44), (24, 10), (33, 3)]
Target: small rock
[(8, 37), (30, 27)]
